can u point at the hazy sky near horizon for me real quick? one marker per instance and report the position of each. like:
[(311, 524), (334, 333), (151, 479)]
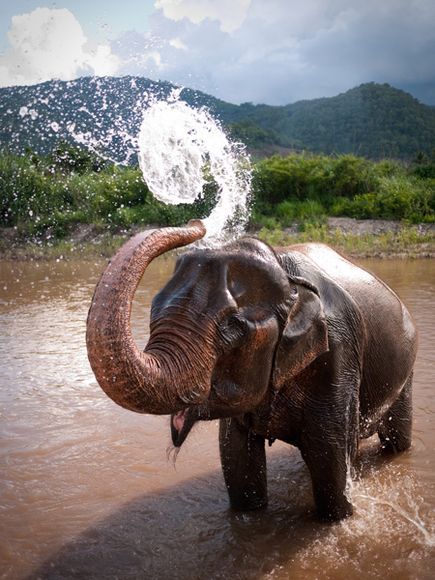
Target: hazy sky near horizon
[(263, 51)]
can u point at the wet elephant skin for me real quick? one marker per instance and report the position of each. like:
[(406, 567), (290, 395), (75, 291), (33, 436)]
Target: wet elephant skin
[(299, 345)]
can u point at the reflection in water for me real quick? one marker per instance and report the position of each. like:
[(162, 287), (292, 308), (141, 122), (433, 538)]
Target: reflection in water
[(87, 491)]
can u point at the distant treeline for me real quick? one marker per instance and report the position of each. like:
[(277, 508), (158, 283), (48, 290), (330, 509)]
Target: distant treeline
[(69, 186)]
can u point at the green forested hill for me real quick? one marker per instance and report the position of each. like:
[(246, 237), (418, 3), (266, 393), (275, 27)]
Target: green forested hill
[(371, 120)]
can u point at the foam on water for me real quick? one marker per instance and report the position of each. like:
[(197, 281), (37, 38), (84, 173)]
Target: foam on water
[(177, 146)]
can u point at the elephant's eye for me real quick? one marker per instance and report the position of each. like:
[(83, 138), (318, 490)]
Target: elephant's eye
[(236, 326), (234, 331), (236, 322)]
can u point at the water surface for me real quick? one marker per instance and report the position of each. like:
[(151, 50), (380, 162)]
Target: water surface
[(87, 490)]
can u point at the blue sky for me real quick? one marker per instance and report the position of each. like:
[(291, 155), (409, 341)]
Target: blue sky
[(271, 51)]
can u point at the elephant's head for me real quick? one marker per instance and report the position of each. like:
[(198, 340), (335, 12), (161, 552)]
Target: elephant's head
[(228, 327)]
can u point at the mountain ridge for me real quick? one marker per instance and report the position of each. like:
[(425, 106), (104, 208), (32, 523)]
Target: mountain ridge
[(371, 120)]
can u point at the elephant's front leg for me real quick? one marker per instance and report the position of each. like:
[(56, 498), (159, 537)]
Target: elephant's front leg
[(329, 476), (243, 459), (328, 447)]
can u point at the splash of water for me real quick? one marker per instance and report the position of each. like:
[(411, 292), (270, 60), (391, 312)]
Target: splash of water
[(413, 517), (371, 496), (180, 148), (178, 145)]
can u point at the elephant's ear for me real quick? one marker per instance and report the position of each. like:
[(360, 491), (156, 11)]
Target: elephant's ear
[(305, 336)]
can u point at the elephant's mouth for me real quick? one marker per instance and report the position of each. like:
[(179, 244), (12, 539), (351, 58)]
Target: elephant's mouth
[(181, 425), (224, 401)]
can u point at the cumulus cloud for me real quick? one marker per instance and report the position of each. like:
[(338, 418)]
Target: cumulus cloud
[(229, 13), (280, 51), (177, 43), (276, 52), (140, 54), (50, 43)]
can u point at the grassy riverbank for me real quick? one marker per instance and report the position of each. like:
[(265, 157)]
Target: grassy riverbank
[(354, 238), (395, 242), (71, 203)]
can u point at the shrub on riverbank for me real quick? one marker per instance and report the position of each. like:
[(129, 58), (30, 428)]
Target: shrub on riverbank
[(301, 188), (36, 196), (40, 195)]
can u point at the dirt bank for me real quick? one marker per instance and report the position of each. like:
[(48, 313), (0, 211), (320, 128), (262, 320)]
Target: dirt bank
[(375, 227), (358, 238)]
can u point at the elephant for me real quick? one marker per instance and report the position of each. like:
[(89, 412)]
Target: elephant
[(297, 344)]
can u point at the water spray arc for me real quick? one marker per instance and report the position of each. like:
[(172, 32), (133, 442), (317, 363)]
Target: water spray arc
[(177, 146)]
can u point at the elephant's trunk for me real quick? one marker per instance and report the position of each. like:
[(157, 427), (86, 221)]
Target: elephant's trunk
[(162, 379)]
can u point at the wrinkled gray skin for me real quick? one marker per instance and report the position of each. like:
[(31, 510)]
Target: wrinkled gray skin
[(299, 345), (333, 363)]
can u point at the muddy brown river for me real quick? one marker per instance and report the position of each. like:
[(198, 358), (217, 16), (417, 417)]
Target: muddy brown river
[(87, 490)]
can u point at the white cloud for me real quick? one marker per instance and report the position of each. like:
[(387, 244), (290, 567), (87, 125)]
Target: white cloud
[(229, 13), (46, 44), (101, 61), (177, 43), (144, 55), (281, 51)]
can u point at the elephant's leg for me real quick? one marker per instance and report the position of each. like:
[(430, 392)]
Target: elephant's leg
[(243, 459), (329, 445), (396, 426), (328, 467)]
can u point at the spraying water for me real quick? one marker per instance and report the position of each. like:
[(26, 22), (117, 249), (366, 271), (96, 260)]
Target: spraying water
[(178, 145), (180, 148)]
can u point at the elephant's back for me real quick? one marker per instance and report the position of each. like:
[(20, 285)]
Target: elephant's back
[(389, 331), (383, 312), (365, 288)]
